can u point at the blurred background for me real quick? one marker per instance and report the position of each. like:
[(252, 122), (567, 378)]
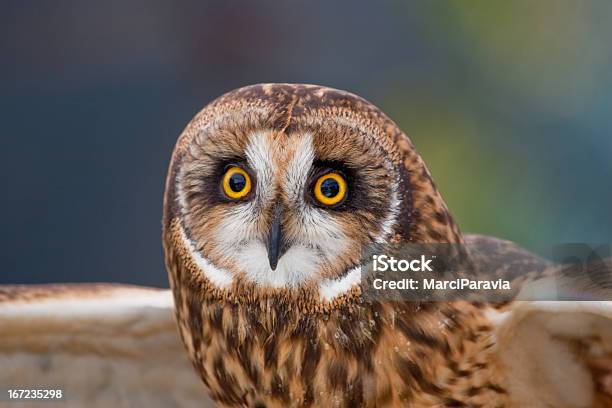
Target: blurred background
[(510, 104)]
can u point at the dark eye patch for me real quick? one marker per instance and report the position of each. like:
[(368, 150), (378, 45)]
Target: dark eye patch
[(237, 182), (210, 184), (330, 188), (368, 188)]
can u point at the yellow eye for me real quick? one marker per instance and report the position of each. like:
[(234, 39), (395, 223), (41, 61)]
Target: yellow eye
[(330, 189), (236, 183)]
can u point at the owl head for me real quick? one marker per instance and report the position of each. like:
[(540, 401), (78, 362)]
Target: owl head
[(278, 188)]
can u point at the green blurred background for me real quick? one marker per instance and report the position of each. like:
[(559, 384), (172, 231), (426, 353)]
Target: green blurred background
[(508, 102)]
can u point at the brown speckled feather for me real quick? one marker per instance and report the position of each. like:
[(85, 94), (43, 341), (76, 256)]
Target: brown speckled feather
[(285, 347), (288, 349)]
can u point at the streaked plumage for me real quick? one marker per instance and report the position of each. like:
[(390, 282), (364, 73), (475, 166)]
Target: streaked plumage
[(265, 281), (300, 333)]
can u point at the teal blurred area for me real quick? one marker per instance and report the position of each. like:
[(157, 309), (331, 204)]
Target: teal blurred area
[(510, 104)]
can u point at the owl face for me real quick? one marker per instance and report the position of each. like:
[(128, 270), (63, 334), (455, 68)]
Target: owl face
[(276, 186)]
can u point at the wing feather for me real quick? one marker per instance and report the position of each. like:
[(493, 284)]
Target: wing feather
[(554, 348)]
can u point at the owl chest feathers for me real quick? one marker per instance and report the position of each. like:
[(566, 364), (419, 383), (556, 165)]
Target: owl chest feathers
[(276, 189), (369, 355)]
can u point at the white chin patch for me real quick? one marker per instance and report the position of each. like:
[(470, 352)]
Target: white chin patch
[(332, 288), (294, 267)]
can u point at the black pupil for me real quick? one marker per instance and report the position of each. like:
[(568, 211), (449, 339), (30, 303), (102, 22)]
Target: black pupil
[(330, 188), (237, 182)]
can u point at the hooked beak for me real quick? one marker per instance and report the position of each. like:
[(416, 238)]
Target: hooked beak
[(276, 243)]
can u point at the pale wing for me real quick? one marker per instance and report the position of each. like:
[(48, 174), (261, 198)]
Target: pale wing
[(557, 354), (553, 353), (103, 345)]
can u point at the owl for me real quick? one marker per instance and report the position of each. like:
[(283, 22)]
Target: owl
[(273, 193)]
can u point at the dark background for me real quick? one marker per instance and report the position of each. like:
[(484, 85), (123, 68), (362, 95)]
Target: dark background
[(508, 102)]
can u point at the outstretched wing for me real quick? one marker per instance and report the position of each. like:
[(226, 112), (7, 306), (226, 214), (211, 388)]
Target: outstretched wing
[(498, 258), (557, 354), (535, 278), (552, 352), (103, 345)]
